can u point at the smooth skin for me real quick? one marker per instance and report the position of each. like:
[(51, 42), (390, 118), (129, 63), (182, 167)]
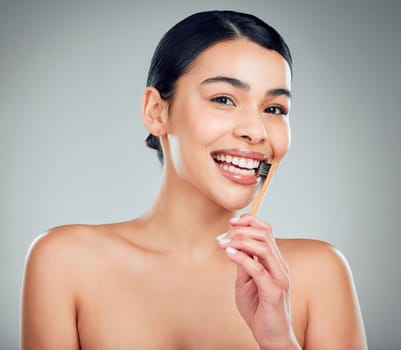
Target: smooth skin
[(163, 281)]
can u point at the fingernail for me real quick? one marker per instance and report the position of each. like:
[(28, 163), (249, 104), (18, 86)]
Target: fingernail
[(219, 237), (234, 219), (224, 240), (231, 250)]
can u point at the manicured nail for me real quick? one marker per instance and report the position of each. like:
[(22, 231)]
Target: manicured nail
[(234, 219), (223, 235), (224, 240), (231, 250)]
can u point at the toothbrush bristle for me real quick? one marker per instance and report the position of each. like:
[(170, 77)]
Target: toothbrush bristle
[(264, 169)]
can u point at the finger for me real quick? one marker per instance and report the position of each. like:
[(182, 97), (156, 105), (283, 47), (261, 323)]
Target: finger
[(247, 232), (266, 235), (251, 267), (241, 233), (265, 254), (250, 220)]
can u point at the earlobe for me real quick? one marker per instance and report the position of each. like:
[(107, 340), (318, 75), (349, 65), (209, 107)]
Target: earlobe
[(154, 111)]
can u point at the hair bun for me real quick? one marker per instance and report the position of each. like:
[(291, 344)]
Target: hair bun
[(153, 142)]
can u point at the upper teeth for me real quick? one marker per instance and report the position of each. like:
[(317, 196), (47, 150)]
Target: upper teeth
[(241, 162)]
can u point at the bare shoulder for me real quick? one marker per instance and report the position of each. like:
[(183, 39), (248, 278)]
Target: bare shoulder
[(317, 268), (324, 277), (62, 236), (54, 261), (314, 256), (61, 251), (59, 264), (62, 241), (70, 245)]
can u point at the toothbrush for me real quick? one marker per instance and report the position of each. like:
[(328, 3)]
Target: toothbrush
[(266, 171)]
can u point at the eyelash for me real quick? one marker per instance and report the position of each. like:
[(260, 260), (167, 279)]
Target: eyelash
[(219, 99), (278, 110), (281, 110)]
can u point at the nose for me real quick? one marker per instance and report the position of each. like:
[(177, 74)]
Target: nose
[(252, 129)]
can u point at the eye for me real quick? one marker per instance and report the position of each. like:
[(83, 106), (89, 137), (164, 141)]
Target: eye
[(223, 100), (277, 110)]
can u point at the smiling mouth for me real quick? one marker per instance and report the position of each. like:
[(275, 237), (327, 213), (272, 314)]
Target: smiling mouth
[(237, 165)]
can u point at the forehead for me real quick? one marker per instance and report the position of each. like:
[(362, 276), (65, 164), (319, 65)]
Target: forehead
[(244, 60)]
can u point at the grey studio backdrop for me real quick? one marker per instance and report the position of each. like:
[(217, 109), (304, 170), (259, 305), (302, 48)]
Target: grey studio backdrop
[(72, 141)]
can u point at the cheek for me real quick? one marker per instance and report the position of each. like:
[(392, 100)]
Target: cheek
[(195, 124), (280, 138), (191, 130)]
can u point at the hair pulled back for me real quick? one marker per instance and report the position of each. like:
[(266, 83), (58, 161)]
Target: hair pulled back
[(183, 43)]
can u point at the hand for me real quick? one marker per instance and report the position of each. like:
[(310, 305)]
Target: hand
[(262, 284)]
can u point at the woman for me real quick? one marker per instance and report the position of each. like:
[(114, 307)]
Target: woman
[(216, 107)]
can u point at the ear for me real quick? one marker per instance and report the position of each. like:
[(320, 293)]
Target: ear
[(154, 111)]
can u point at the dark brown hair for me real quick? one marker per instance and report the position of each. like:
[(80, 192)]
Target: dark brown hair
[(187, 39)]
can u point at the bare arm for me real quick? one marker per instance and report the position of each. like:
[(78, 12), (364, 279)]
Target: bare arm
[(48, 305), (334, 317)]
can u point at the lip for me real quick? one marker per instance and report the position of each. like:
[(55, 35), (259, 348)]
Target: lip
[(238, 178), (241, 153)]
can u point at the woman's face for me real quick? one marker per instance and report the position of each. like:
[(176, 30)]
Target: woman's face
[(229, 112)]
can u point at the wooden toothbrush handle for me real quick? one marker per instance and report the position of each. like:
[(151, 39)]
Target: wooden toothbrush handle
[(265, 186)]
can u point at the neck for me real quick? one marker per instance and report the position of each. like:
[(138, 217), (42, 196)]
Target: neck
[(183, 220)]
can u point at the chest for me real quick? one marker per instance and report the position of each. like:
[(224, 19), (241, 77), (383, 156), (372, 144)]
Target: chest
[(161, 309), (169, 309)]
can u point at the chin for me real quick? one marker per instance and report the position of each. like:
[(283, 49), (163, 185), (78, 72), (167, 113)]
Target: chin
[(235, 208), (231, 197), (235, 204)]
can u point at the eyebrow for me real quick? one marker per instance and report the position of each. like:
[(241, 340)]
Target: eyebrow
[(279, 92), (244, 86), (232, 81)]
